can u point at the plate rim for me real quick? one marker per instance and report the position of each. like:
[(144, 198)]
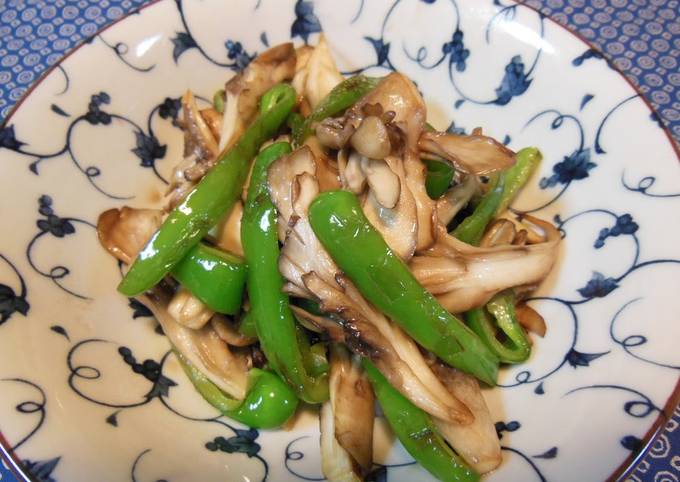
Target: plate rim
[(625, 468), (629, 464)]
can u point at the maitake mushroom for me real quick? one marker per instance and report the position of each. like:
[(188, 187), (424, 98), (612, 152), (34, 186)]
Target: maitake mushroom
[(474, 154), (205, 136), (124, 232), (346, 420), (463, 277), (311, 273), (398, 95), (378, 138), (316, 73)]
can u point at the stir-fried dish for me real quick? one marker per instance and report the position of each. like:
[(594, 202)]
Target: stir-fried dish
[(321, 242)]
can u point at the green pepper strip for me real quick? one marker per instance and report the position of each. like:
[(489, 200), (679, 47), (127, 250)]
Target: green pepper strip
[(499, 197), (515, 348), (415, 430), (439, 177), (215, 277), (317, 362), (343, 95), (295, 121), (313, 356), (517, 176), (269, 402), (218, 101), (209, 201), (383, 278), (309, 306), (246, 324), (471, 229), (276, 328)]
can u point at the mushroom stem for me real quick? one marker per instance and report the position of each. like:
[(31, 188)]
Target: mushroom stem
[(477, 442), (347, 419)]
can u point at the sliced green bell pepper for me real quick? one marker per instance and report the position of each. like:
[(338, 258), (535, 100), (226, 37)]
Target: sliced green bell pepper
[(269, 305), (515, 348), (472, 228), (517, 176), (269, 402), (215, 277), (417, 433), (309, 306), (218, 101), (382, 277), (246, 325), (343, 95), (313, 356), (210, 200), (295, 122), (438, 178)]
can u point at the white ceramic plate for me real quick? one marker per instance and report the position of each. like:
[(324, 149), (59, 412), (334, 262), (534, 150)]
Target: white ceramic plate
[(97, 132)]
